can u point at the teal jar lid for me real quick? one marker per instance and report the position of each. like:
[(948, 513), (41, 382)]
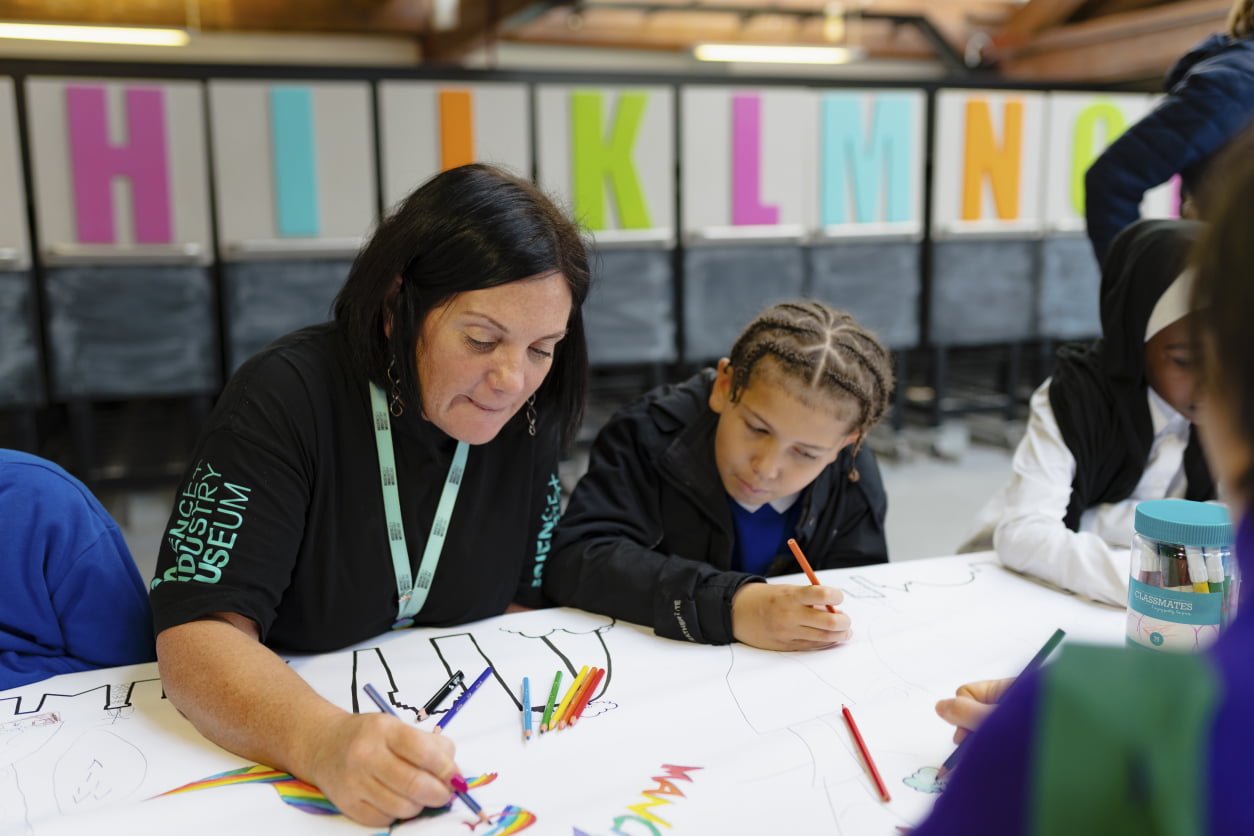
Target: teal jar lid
[(1184, 522)]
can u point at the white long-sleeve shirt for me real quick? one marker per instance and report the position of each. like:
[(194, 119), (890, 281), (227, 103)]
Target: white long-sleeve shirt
[(1024, 520)]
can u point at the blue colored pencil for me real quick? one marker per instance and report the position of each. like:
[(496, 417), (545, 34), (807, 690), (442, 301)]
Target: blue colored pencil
[(526, 708), (458, 782), (378, 700), (463, 699)]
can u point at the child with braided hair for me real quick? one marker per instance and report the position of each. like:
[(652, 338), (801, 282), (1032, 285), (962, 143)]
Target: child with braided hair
[(693, 491)]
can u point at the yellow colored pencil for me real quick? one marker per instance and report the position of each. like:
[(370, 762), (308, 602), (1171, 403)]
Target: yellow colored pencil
[(568, 698), (565, 719)]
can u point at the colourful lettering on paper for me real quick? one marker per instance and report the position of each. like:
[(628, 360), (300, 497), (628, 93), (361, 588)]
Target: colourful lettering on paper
[(869, 165), (985, 158), (457, 129), (142, 158), (1095, 127), (294, 162), (548, 519), (655, 796), (210, 512), (596, 159), (747, 206)]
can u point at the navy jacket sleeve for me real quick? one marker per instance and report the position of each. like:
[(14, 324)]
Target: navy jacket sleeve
[(1201, 113), (605, 554)]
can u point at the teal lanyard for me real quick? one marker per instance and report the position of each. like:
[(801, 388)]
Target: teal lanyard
[(411, 594)]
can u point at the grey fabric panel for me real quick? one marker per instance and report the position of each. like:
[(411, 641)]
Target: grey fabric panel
[(726, 287), (983, 291), (877, 282), (267, 299), (20, 378), (1070, 281), (630, 312), (131, 330)]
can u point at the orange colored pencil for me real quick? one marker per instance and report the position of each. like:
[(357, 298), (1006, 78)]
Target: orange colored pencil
[(564, 720), (805, 567), (587, 695), (866, 753)]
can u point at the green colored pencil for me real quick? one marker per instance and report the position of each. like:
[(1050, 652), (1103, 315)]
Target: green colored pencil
[(548, 709)]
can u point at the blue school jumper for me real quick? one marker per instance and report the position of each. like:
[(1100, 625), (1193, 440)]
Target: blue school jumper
[(73, 598)]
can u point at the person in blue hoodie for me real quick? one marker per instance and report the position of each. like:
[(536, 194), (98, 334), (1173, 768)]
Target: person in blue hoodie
[(73, 597), (1209, 100)]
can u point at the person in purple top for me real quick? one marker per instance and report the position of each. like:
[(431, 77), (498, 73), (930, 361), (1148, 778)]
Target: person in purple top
[(1166, 737)]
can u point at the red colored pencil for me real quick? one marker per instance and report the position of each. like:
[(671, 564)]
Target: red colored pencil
[(805, 567), (587, 696), (866, 753)]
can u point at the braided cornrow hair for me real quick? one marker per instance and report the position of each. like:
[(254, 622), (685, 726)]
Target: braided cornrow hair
[(826, 352)]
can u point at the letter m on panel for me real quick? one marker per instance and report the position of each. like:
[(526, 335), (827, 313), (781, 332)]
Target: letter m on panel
[(596, 159), (141, 158), (867, 167)]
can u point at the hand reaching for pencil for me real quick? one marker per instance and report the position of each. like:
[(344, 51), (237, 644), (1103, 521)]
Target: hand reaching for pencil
[(786, 617), (973, 702), (377, 768)]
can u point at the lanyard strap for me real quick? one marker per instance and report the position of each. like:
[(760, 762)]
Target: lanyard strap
[(411, 595)]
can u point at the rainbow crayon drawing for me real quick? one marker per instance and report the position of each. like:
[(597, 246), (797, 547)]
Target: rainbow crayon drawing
[(294, 792)]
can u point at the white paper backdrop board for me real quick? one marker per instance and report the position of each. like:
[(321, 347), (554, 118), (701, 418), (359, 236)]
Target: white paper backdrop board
[(763, 730)]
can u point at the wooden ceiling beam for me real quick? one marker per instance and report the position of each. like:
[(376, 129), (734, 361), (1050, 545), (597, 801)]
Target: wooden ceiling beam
[(1133, 45), (478, 25), (1033, 17), (285, 16), (612, 39), (679, 30)]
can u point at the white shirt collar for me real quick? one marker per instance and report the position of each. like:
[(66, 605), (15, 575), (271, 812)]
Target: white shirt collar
[(780, 505), (1164, 418)]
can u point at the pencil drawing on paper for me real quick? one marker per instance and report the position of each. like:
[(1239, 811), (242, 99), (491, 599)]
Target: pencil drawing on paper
[(860, 586), (463, 651)]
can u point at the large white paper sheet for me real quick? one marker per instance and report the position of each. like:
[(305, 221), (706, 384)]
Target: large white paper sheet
[(679, 738)]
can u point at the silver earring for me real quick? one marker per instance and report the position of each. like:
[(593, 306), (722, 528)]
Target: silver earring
[(395, 406), (531, 415)]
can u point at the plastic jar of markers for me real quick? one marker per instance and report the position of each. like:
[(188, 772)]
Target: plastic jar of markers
[(1182, 589)]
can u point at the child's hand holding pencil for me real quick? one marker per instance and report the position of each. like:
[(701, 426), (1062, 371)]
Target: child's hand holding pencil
[(789, 617)]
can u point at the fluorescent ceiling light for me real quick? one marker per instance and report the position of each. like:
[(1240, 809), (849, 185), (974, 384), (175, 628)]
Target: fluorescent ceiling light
[(777, 54), (95, 34)]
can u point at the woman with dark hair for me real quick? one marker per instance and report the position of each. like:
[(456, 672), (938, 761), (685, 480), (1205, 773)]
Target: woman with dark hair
[(395, 466)]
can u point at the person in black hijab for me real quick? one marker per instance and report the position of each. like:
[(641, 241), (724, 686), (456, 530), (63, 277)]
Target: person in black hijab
[(1111, 428)]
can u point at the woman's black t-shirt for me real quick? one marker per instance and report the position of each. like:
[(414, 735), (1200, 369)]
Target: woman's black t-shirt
[(280, 516)]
